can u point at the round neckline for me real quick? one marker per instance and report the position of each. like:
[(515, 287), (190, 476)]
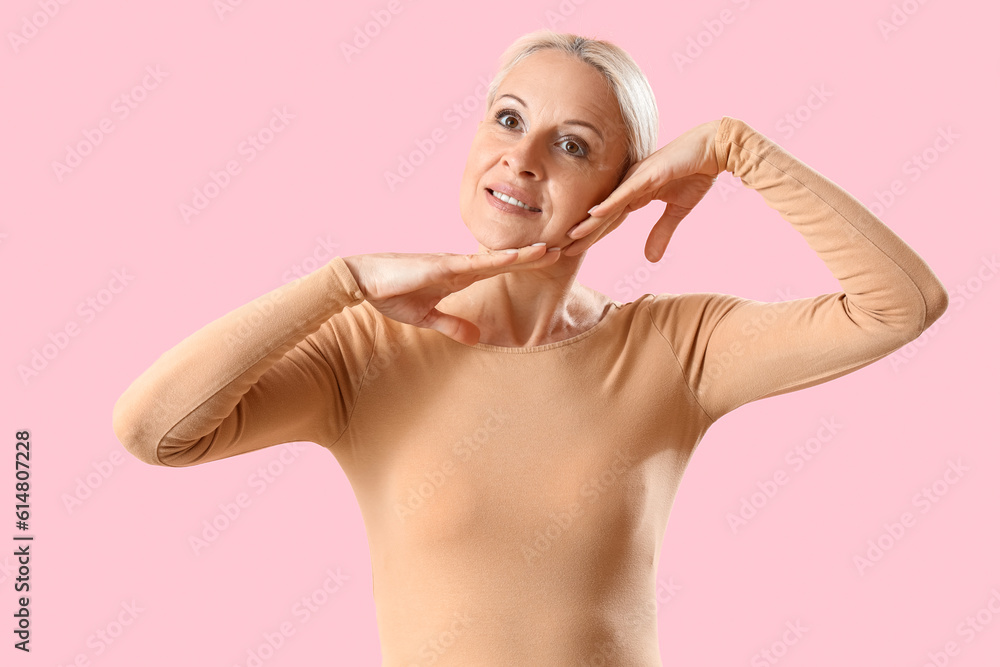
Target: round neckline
[(612, 308)]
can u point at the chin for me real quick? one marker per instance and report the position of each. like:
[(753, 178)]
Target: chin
[(496, 241), (490, 234)]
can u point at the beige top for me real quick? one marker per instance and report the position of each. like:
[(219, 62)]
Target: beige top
[(515, 499)]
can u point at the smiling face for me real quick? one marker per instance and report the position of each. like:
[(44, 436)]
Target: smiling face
[(555, 141)]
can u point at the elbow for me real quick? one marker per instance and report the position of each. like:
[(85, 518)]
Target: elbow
[(145, 440), (128, 428), (937, 302)]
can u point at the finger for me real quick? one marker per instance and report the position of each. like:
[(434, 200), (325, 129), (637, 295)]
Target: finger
[(623, 197), (492, 260), (523, 254), (631, 170), (614, 225), (581, 245), (528, 257), (583, 228), (456, 328), (548, 258), (641, 181), (587, 227)]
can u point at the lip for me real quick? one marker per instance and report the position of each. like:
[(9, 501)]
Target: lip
[(516, 193)]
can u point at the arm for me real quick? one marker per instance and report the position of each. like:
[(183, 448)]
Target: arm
[(275, 370), (734, 350)]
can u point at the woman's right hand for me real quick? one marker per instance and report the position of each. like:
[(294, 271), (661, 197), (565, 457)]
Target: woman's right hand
[(408, 286)]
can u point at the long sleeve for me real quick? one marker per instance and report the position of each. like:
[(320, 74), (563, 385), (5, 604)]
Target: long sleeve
[(734, 350), (285, 367)]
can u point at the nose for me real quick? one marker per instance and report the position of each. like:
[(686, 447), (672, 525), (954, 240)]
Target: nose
[(525, 157)]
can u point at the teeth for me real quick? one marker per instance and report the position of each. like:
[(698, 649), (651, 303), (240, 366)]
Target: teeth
[(510, 200)]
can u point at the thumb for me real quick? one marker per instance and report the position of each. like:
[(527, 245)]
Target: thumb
[(662, 232), (452, 326)]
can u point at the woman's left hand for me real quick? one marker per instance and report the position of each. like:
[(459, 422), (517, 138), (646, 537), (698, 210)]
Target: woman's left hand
[(680, 174)]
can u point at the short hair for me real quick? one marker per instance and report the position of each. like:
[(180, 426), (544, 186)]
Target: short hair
[(626, 81)]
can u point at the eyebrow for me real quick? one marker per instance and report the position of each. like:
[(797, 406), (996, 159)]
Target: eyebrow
[(567, 122)]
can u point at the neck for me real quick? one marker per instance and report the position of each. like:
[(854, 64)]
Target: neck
[(529, 307)]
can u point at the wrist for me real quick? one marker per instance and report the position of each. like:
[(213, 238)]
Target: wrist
[(353, 265), (712, 137)]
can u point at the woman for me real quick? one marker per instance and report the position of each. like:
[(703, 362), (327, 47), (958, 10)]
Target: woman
[(515, 439)]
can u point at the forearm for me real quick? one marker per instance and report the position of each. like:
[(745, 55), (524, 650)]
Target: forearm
[(187, 398), (733, 350), (883, 278)]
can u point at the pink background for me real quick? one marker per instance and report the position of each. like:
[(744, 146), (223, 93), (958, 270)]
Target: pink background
[(319, 187)]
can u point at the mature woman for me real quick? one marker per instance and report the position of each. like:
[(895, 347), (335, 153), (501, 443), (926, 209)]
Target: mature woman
[(515, 439)]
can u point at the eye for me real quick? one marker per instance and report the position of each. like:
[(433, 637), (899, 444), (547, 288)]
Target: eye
[(508, 118), (574, 147)]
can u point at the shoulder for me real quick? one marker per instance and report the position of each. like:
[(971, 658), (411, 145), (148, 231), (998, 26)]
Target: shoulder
[(673, 313)]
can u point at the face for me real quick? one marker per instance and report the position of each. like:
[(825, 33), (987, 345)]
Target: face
[(555, 141)]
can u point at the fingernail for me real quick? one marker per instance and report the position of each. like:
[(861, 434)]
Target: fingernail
[(510, 251), (539, 243), (592, 209), (553, 249)]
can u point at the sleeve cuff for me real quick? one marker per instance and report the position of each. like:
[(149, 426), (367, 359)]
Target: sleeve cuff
[(345, 282)]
